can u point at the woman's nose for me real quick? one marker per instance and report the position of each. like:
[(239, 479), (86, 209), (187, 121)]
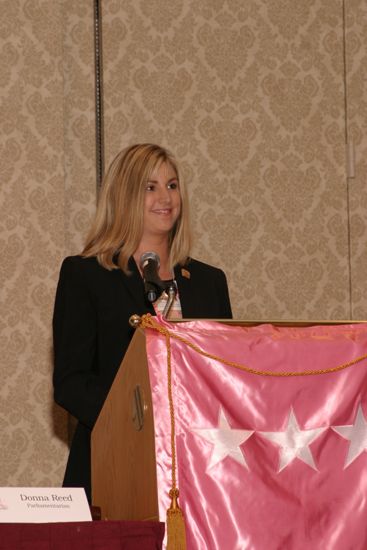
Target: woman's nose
[(163, 195)]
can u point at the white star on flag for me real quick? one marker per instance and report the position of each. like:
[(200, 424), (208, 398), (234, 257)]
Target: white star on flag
[(294, 442), (357, 435), (226, 441)]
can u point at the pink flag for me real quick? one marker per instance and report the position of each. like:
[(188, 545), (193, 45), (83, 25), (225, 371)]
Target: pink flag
[(264, 462)]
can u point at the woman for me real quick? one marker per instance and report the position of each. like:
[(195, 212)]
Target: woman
[(142, 207)]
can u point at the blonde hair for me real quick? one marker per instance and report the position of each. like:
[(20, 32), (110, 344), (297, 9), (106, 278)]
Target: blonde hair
[(118, 223)]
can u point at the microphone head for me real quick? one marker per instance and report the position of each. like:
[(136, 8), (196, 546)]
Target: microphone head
[(146, 256), (149, 265)]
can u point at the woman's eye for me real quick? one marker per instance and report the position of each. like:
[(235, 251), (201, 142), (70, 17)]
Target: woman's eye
[(173, 185), (149, 187)]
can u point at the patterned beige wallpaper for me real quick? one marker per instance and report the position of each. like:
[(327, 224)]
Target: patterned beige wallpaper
[(47, 193), (31, 237), (251, 98), (79, 121), (356, 61)]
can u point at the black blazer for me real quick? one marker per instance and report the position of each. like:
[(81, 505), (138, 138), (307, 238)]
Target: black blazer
[(91, 334)]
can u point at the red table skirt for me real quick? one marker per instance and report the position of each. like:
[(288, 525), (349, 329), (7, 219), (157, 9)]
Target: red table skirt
[(93, 535)]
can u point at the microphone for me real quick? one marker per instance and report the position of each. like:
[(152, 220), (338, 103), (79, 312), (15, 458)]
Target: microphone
[(153, 286)]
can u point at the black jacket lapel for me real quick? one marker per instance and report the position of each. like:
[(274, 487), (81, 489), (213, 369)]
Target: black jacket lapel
[(186, 292), (135, 286)]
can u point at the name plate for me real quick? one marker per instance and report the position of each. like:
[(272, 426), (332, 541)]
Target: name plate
[(43, 505)]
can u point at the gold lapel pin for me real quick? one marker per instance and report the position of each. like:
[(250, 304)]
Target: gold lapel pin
[(185, 273)]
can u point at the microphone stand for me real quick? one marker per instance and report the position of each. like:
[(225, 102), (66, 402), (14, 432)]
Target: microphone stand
[(171, 291)]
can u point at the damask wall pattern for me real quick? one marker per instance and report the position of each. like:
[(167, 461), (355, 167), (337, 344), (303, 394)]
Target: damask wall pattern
[(79, 122), (31, 237), (250, 96), (47, 193), (356, 61)]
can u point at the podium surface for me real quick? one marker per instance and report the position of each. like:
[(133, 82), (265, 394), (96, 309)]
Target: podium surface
[(124, 483)]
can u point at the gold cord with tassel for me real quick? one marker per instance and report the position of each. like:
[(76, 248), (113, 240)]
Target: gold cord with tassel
[(146, 321), (175, 521), (176, 533)]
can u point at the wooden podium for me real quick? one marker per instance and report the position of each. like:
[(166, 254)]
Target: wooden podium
[(124, 483)]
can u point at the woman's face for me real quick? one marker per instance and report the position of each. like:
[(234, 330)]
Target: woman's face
[(162, 202)]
